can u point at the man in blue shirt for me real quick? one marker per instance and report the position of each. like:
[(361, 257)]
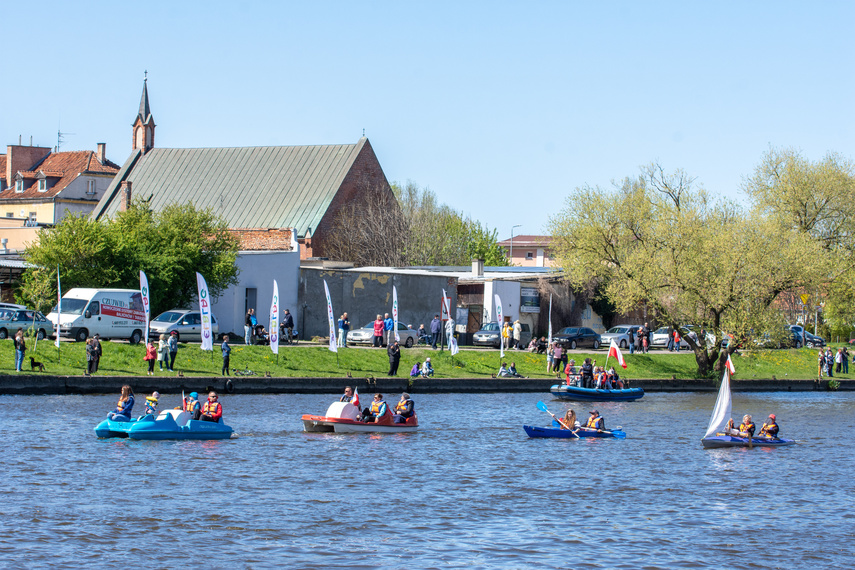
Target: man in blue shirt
[(227, 351), (435, 330), (388, 325)]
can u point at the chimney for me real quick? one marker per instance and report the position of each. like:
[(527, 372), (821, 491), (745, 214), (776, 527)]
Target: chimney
[(478, 268), (102, 152), (20, 158), (126, 196)]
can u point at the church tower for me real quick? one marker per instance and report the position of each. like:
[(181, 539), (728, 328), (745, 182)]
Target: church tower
[(143, 127)]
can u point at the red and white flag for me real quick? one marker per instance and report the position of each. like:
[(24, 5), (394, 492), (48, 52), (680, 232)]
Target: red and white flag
[(730, 365), (614, 352), (355, 400)]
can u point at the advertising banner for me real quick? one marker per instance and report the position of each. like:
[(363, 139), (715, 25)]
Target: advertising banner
[(205, 313)]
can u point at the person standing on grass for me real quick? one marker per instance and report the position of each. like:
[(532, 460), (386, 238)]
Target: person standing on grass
[(20, 349), (435, 330), (173, 349), (150, 355), (343, 327), (90, 356), (845, 361), (227, 351), (96, 346), (394, 352), (378, 331), (388, 325), (247, 327), (163, 352)]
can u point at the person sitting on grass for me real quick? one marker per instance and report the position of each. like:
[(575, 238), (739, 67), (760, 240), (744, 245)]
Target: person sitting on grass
[(427, 368), (512, 371), (416, 370), (503, 371)]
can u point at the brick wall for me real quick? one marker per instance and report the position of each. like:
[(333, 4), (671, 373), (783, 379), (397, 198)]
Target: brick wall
[(22, 158), (263, 239)]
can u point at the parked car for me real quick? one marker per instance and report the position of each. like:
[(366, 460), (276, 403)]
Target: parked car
[(619, 334), (813, 341), (186, 322), (365, 335), (490, 335), (574, 337), (661, 335), (11, 320)]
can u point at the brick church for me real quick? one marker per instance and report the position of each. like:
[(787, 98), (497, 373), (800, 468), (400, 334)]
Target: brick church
[(263, 193)]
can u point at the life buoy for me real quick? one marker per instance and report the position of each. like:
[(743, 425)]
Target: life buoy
[(229, 387)]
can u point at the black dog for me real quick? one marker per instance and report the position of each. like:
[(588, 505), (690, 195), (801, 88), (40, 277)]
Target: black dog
[(34, 365)]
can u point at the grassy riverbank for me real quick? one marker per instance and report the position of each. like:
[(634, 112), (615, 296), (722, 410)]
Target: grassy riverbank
[(317, 361)]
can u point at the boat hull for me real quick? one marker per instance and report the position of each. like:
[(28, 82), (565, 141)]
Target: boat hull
[(536, 431), (174, 424), (718, 441), (113, 428), (578, 394)]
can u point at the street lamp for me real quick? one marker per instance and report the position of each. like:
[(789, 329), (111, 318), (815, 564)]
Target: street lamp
[(511, 256)]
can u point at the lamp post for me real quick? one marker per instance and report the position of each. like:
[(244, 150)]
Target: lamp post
[(511, 256)]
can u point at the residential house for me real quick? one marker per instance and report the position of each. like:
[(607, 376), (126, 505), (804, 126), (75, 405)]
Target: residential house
[(529, 251)]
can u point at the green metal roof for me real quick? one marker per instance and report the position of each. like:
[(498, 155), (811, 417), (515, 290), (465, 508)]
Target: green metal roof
[(250, 187)]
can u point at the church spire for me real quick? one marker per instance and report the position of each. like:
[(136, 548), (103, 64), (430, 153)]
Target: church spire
[(143, 127)]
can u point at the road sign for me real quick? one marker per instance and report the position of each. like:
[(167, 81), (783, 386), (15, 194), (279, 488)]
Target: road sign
[(805, 299)]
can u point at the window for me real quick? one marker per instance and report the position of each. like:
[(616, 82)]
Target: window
[(33, 216), (10, 215), (90, 187), (42, 185), (19, 185), (94, 308), (529, 255)]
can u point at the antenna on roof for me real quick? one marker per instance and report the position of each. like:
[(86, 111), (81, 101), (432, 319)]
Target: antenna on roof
[(60, 137), (363, 132)]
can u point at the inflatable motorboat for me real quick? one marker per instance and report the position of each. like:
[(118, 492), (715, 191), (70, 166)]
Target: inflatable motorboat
[(722, 440), (176, 424), (343, 417), (579, 394)]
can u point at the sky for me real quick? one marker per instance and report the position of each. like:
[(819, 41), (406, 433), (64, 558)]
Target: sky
[(500, 108)]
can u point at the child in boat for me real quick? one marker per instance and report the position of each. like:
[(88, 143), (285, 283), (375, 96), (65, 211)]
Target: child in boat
[(192, 405), (125, 405), (151, 402)]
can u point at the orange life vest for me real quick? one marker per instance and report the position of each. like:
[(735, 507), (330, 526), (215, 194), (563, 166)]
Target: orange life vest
[(594, 422), (190, 405), (211, 408)]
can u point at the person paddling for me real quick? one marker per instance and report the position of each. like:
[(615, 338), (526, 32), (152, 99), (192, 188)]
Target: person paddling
[(596, 421), (770, 428), (569, 421)]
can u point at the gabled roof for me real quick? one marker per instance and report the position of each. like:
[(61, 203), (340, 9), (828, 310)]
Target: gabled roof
[(63, 165), (250, 187), (528, 241)]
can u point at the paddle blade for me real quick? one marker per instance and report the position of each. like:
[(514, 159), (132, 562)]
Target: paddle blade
[(619, 434), (542, 407)]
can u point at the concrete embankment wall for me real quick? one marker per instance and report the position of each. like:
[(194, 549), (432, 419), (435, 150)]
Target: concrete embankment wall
[(38, 384)]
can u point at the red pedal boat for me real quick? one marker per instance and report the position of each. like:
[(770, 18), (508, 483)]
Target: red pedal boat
[(343, 417)]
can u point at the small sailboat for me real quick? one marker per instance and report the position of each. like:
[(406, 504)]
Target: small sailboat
[(715, 436)]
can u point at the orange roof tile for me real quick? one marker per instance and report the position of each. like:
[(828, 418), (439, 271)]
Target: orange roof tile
[(63, 165)]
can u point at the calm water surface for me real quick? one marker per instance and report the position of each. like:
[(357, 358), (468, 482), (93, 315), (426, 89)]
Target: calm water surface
[(469, 490)]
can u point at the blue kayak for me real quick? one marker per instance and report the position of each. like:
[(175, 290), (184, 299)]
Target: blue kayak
[(115, 427), (176, 424), (721, 440), (578, 394), (535, 431)]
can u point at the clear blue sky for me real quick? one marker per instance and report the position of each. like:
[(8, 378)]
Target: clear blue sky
[(501, 108)]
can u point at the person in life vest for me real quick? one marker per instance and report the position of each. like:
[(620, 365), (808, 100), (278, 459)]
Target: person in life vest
[(348, 394), (405, 408), (376, 411), (770, 428), (596, 421), (746, 428), (192, 405), (125, 405), (571, 373), (569, 421), (151, 403), (212, 411)]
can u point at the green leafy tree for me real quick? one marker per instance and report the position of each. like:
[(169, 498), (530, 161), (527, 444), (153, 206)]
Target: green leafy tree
[(170, 246), (663, 241)]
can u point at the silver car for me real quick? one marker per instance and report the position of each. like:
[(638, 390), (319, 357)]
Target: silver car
[(33, 322), (186, 322), (408, 337), (619, 334)]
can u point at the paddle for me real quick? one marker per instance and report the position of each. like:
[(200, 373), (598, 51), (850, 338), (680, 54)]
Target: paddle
[(542, 407)]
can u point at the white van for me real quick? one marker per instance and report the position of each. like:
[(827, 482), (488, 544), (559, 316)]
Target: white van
[(110, 313)]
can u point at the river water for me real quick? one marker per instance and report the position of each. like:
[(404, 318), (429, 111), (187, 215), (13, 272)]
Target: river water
[(468, 490)]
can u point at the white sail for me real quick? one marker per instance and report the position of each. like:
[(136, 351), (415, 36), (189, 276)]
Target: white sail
[(721, 412)]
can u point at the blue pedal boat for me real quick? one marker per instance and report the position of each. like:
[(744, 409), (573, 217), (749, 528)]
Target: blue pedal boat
[(176, 424), (115, 427), (578, 394), (536, 431)]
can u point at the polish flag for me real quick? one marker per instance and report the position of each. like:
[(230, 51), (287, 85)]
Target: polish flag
[(355, 400), (729, 365), (614, 351)]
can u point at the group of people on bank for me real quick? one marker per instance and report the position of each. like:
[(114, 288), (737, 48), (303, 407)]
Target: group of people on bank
[(378, 409), (210, 411)]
